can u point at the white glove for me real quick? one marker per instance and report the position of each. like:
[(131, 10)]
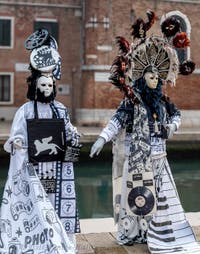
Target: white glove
[(97, 146), (171, 128), (17, 143)]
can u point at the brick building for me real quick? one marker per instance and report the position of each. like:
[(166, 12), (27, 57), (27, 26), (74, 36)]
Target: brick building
[(86, 31)]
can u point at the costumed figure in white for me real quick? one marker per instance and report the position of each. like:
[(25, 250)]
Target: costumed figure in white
[(38, 211), (146, 204)]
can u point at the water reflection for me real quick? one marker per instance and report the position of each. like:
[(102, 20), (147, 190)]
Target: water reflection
[(187, 177), (94, 189), (94, 184)]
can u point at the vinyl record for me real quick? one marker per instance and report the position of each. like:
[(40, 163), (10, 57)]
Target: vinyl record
[(36, 39), (141, 200)]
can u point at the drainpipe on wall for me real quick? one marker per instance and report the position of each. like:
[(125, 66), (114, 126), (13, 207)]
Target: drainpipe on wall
[(72, 101)]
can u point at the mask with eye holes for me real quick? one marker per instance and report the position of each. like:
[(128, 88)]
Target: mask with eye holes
[(45, 89), (41, 87), (151, 77), (45, 85)]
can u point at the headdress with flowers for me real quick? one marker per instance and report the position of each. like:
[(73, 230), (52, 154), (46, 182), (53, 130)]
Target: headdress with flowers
[(158, 52)]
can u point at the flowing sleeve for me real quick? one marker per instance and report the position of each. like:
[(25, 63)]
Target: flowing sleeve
[(72, 133), (111, 130), (176, 119), (18, 130), (116, 123)]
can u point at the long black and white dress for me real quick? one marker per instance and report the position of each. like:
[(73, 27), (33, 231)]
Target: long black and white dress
[(33, 220), (139, 148)]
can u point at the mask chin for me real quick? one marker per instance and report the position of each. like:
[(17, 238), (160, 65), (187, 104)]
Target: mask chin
[(42, 98)]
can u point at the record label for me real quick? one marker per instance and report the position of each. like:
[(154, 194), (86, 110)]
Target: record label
[(141, 200)]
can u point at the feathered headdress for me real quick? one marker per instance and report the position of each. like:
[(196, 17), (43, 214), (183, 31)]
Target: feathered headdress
[(159, 52), (172, 33), (140, 26), (120, 67)]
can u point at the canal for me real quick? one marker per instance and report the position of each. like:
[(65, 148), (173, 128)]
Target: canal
[(94, 185)]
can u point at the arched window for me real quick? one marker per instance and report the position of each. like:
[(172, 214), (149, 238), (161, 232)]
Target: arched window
[(183, 54)]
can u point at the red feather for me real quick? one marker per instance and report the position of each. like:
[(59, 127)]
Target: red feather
[(123, 44), (140, 27), (151, 19), (118, 70), (181, 40)]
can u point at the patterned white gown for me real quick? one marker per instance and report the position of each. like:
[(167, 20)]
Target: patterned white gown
[(31, 221), (136, 150)]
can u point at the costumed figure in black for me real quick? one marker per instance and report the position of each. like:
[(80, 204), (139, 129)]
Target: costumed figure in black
[(146, 203), (38, 211)]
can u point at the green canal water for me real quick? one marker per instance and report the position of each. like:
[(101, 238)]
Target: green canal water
[(94, 186)]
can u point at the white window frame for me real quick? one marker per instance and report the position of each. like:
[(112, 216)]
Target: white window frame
[(50, 20), (12, 32), (11, 74), (46, 20)]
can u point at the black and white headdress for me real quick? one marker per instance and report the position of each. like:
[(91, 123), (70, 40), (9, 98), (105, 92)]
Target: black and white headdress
[(44, 55)]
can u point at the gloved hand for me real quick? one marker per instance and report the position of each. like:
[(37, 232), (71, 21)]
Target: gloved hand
[(171, 128), (17, 143), (97, 146)]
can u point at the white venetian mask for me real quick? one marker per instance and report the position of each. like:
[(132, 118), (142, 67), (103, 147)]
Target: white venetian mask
[(45, 85), (151, 79)]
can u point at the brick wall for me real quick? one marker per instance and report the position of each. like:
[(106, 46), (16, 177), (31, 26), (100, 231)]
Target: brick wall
[(69, 42)]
